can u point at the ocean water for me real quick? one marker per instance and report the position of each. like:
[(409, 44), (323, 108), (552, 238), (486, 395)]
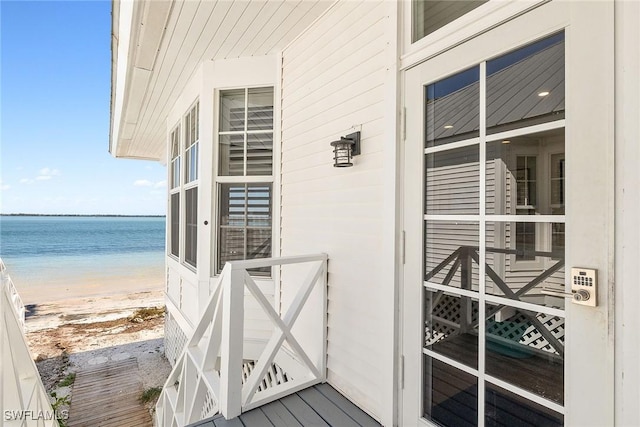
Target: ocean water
[(50, 258)]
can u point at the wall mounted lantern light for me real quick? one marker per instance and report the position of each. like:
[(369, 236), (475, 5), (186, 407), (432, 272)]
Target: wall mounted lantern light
[(344, 149)]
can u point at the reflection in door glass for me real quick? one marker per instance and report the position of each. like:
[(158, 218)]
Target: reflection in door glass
[(450, 395), (525, 175), (452, 181), (451, 254), (526, 349), (452, 108), (521, 274), (451, 327), (503, 408), (526, 87)]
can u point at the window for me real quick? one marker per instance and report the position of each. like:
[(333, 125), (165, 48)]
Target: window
[(184, 189), (245, 176), (525, 205), (536, 167), (192, 138), (174, 190), (430, 15)]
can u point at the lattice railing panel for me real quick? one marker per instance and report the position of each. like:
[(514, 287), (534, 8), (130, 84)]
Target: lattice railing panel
[(174, 339), (210, 406), (275, 375)]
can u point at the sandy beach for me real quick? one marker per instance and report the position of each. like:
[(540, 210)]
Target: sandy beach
[(68, 335)]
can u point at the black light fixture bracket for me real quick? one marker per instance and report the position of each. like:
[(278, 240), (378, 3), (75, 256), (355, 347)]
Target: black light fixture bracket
[(355, 145)]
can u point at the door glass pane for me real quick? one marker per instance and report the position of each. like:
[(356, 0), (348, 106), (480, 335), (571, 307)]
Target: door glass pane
[(518, 273), (525, 175), (429, 15), (451, 326), (452, 182), (526, 86), (452, 108), (526, 349), (450, 396), (451, 254), (504, 408)]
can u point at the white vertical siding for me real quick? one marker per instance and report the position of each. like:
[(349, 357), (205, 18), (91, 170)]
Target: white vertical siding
[(333, 79)]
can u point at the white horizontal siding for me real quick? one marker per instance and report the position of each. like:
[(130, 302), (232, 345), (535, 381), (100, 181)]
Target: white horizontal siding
[(333, 78)]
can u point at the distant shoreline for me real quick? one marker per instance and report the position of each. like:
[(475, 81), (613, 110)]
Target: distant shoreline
[(88, 215)]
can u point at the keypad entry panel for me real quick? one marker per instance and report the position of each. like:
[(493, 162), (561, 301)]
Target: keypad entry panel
[(584, 282)]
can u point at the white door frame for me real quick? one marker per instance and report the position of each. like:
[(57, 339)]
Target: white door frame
[(590, 150)]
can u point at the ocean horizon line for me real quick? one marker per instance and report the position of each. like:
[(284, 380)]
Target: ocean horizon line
[(88, 215)]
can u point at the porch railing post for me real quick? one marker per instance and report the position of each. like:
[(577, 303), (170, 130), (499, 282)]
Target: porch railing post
[(324, 283), (466, 277), (231, 354)]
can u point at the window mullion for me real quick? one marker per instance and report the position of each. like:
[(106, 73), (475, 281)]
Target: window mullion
[(246, 128), (246, 219)]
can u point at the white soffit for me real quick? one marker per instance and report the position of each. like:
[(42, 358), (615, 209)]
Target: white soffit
[(169, 40)]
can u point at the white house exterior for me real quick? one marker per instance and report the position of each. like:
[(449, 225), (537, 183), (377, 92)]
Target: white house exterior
[(499, 151)]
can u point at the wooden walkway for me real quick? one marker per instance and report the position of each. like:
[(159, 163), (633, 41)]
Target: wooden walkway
[(320, 405), (107, 395)]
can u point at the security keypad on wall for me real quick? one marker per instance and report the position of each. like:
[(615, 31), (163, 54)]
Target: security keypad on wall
[(584, 286)]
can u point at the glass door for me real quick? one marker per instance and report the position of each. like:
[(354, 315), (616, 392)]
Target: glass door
[(485, 167)]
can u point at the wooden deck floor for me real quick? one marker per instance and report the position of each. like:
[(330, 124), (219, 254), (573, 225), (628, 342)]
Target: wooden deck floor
[(107, 395), (320, 405)]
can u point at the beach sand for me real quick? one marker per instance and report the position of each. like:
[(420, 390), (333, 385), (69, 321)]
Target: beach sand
[(82, 287), (68, 335)]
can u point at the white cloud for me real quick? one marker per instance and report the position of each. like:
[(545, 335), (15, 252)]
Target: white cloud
[(147, 183), (143, 183), (4, 186), (45, 174), (49, 172)]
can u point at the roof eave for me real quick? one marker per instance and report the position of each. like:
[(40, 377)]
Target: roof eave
[(137, 30)]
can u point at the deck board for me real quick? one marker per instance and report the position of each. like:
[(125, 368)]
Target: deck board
[(316, 406), (347, 406), (279, 415), (326, 409), (107, 395)]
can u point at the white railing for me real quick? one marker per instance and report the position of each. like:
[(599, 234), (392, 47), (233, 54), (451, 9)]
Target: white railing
[(23, 399), (13, 293), (224, 369)]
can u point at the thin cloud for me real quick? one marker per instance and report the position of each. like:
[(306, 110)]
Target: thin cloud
[(147, 183), (3, 186), (44, 174)]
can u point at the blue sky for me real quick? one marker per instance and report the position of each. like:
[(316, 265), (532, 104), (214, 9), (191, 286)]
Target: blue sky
[(54, 117)]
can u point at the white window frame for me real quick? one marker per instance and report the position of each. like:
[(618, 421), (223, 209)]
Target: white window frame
[(181, 129), (242, 179), (193, 183), (176, 132)]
